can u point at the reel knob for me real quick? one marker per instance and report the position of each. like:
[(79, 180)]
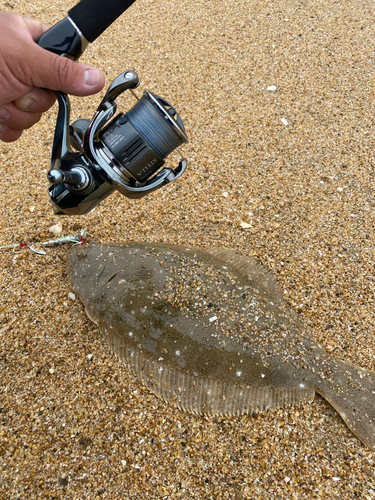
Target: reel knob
[(77, 177)]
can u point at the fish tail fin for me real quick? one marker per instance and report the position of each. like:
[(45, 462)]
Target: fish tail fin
[(351, 391)]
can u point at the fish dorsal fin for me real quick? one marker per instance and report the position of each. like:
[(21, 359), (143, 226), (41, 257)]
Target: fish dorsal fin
[(202, 395), (248, 266)]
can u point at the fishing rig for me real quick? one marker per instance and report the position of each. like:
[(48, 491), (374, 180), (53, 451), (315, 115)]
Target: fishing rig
[(92, 159)]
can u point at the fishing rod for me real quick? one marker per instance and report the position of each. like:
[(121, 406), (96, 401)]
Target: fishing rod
[(85, 22), (92, 159)]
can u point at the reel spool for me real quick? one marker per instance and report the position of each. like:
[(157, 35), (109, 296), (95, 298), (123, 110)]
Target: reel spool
[(125, 154), (140, 140)]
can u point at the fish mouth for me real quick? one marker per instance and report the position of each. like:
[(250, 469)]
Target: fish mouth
[(92, 314)]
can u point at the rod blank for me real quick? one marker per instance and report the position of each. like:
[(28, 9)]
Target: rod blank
[(93, 17)]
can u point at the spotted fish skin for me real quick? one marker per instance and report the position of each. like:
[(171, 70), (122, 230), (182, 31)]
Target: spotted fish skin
[(208, 331)]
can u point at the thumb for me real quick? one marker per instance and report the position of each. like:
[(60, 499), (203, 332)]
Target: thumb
[(50, 71)]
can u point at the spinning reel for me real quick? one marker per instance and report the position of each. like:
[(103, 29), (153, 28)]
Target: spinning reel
[(90, 160)]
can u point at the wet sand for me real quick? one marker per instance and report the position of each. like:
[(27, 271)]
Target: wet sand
[(278, 103)]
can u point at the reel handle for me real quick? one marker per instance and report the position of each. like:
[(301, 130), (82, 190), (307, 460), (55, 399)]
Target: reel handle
[(125, 81)]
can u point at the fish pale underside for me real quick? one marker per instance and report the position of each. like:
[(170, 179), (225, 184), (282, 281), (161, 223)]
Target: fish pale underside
[(209, 332)]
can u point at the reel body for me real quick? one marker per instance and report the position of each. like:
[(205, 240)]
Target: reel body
[(92, 159)]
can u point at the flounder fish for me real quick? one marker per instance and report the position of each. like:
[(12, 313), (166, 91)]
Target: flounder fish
[(209, 332)]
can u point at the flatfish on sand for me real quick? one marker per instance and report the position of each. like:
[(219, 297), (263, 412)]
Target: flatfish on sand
[(208, 331)]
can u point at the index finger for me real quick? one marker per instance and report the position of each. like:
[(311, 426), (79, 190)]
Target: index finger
[(36, 28)]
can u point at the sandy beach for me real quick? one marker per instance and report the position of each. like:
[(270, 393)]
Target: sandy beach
[(278, 103)]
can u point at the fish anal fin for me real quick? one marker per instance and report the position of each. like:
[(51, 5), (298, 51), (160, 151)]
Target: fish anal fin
[(200, 395)]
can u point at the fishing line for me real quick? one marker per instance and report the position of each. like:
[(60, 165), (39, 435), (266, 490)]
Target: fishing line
[(149, 123), (33, 246)]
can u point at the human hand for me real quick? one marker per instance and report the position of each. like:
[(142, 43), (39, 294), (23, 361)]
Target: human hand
[(30, 74)]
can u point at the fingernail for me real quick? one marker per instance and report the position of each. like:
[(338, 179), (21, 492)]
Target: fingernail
[(91, 76), (27, 104), (3, 129), (4, 115)]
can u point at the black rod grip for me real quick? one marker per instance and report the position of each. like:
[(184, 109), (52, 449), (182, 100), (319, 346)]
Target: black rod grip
[(93, 17)]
